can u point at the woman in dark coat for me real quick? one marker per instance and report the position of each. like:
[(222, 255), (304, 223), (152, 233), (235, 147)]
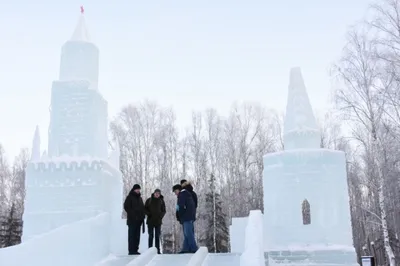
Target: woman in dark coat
[(155, 211)]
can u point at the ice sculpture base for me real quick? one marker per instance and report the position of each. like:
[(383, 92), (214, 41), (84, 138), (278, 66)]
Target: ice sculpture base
[(308, 256)]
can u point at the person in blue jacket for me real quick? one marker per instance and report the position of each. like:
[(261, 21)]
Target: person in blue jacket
[(186, 212), (188, 186)]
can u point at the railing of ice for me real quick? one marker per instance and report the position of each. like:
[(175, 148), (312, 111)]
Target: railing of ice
[(253, 254)]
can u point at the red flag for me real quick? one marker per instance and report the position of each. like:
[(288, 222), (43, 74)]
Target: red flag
[(82, 10)]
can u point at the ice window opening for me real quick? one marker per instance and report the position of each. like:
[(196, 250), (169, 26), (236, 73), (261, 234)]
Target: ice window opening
[(305, 206)]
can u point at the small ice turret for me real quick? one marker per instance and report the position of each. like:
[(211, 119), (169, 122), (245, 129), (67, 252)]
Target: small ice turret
[(306, 201), (80, 57), (300, 127), (35, 156)]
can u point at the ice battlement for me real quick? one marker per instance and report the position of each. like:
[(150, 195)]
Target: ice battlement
[(71, 163), (66, 189)]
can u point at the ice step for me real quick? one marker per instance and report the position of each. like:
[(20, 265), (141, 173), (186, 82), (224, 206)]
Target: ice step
[(118, 261), (170, 260), (223, 259)]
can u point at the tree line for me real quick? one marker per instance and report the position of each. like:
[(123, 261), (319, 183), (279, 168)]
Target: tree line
[(221, 156), (368, 98), (12, 196)]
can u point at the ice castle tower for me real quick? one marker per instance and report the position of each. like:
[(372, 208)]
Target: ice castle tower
[(75, 179), (306, 202)]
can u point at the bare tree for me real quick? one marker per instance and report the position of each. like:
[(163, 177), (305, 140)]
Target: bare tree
[(12, 195), (250, 133), (360, 99), (151, 156), (5, 175), (331, 131)]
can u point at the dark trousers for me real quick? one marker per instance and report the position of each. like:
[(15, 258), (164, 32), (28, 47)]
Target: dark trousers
[(134, 236), (154, 231)]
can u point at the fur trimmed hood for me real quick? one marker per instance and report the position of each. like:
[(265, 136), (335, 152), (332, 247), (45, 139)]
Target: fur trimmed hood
[(185, 184), (188, 186)]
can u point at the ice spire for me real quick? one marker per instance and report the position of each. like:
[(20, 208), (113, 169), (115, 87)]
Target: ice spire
[(300, 127), (36, 145), (81, 33)]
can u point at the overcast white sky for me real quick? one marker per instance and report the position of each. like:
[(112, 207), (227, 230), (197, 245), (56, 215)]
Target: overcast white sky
[(188, 54)]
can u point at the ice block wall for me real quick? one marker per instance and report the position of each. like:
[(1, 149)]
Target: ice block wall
[(318, 176), (65, 191)]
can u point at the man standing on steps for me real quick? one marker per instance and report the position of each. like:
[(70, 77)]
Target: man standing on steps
[(155, 211), (134, 208), (186, 212), (188, 186)]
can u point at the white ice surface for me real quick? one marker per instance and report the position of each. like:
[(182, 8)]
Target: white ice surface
[(237, 234), (81, 34), (144, 258), (117, 261), (253, 254), (318, 176), (300, 126), (81, 243), (171, 260), (199, 257), (222, 259)]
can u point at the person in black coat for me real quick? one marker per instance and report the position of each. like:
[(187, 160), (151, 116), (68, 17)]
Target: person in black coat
[(155, 211), (134, 208)]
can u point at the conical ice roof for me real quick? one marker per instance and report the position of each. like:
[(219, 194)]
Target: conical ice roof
[(299, 114), (81, 33)]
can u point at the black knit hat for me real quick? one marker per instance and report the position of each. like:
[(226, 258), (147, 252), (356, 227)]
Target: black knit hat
[(136, 186), (157, 190), (177, 186), (183, 181)]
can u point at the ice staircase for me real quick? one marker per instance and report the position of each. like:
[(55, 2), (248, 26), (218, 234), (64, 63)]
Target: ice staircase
[(86, 243), (90, 242), (150, 258)]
